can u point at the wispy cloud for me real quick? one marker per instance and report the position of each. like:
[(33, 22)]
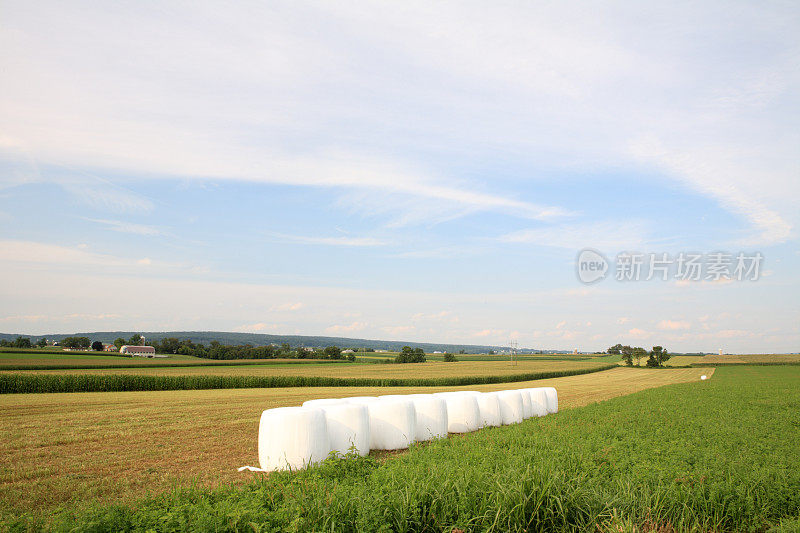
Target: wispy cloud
[(330, 241), (340, 329), (128, 227), (293, 306), (674, 325), (43, 253), (724, 176), (603, 235)]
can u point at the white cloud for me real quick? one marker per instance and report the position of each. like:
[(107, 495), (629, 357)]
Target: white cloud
[(579, 97), (331, 241), (727, 176), (398, 330), (493, 333), (292, 306), (674, 324), (441, 316), (128, 227), (339, 329), (605, 235), (261, 327), (637, 333), (36, 252)]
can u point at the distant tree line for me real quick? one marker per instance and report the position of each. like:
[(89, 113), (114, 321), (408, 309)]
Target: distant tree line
[(655, 357), (20, 342), (215, 350), (74, 343)]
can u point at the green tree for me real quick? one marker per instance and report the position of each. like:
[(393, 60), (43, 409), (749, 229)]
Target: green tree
[(169, 345), (135, 340), (639, 353), (97, 346), (41, 343), (658, 356), (351, 357), (627, 355), (615, 350), (76, 343), (334, 352), (119, 342), (410, 355), (23, 342), (450, 358)]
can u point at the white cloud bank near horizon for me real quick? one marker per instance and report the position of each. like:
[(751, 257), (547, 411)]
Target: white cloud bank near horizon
[(111, 296)]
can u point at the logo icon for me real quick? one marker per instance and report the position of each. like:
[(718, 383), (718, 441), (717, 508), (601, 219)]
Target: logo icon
[(591, 266)]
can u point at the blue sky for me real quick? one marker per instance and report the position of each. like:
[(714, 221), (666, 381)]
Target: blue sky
[(409, 172)]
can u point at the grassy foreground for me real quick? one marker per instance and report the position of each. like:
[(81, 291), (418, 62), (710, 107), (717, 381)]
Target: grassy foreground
[(65, 451), (710, 456)]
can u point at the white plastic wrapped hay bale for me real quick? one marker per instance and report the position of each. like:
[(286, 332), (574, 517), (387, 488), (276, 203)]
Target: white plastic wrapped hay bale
[(538, 401), (361, 399), (392, 424), (348, 425), (463, 413), (510, 406), (552, 399), (323, 402), (292, 437), (489, 405), (527, 409), (431, 412)]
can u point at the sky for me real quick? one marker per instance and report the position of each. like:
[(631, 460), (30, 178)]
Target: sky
[(403, 171)]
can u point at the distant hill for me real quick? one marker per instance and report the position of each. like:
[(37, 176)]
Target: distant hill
[(259, 339)]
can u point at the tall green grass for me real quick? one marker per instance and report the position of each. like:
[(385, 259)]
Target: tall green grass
[(38, 383), (718, 455)]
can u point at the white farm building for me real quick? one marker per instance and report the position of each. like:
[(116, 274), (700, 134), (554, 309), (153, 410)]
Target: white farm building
[(144, 351)]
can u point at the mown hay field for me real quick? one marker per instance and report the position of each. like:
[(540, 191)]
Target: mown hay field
[(66, 450)]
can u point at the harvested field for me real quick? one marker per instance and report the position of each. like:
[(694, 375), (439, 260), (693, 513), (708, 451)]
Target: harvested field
[(69, 449)]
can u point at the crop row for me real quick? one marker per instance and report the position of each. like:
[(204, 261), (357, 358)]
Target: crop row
[(182, 364), (42, 383)]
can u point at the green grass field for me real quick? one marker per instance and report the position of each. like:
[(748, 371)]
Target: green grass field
[(718, 455), (64, 451), (751, 359)]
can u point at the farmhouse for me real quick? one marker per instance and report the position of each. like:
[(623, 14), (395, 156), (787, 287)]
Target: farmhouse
[(144, 351)]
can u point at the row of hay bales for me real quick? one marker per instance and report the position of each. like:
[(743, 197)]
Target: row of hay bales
[(293, 437)]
